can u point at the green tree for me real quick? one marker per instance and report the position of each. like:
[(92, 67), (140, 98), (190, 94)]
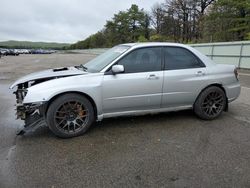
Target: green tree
[(184, 21), (228, 20)]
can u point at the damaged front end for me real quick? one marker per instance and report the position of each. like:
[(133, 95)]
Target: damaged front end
[(32, 114)]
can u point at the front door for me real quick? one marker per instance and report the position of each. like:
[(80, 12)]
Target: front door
[(139, 87)]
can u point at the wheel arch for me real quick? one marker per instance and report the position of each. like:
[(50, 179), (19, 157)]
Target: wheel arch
[(216, 85), (71, 92)]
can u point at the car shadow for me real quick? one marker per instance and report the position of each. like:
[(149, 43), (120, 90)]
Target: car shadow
[(124, 122)]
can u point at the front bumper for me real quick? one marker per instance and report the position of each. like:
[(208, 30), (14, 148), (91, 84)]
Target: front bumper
[(25, 110), (33, 116)]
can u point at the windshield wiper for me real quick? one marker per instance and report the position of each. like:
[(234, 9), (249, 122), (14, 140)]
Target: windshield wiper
[(83, 67)]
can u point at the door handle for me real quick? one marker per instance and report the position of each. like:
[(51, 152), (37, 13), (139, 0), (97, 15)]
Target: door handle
[(200, 73), (153, 77)]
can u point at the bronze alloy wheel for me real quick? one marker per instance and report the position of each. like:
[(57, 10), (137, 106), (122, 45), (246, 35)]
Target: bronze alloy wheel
[(71, 116)]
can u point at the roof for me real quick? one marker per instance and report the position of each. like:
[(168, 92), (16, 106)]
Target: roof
[(145, 44)]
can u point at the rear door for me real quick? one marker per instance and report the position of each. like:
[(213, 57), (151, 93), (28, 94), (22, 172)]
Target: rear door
[(139, 87), (184, 77)]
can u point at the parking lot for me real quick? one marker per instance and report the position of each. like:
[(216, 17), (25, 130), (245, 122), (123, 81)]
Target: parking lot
[(165, 150)]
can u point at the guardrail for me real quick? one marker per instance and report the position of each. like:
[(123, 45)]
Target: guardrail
[(235, 53)]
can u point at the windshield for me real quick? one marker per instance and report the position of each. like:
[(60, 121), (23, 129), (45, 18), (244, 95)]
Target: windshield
[(101, 61)]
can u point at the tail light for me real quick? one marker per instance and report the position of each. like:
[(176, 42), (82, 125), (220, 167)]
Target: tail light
[(236, 73)]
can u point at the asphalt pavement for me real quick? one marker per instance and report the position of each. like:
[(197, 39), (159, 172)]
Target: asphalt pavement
[(165, 150)]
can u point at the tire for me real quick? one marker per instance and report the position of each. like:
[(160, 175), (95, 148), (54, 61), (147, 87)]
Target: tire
[(70, 115), (210, 103)]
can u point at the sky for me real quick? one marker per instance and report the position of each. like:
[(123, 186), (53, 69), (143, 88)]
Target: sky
[(59, 20)]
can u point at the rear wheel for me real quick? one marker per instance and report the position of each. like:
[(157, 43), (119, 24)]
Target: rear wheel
[(210, 103), (70, 115)]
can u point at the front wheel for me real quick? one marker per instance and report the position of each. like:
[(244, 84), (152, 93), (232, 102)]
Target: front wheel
[(210, 103), (70, 115)]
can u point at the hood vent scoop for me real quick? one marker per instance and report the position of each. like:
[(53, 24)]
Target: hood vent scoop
[(60, 69)]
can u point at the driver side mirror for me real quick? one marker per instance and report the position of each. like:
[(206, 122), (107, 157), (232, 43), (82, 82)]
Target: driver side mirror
[(116, 69)]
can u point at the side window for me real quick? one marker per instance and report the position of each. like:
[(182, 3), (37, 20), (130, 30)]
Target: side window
[(180, 58), (142, 60)]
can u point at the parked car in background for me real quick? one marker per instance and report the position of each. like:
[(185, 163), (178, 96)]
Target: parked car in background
[(129, 79), (11, 52), (3, 52), (25, 51), (16, 52), (41, 51)]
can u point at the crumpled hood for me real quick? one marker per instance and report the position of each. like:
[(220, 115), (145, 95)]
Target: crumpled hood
[(50, 73)]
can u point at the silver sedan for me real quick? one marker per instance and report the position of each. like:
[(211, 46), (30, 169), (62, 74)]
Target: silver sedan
[(128, 79)]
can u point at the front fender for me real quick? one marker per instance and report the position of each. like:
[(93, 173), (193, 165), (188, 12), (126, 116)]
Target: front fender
[(89, 85)]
